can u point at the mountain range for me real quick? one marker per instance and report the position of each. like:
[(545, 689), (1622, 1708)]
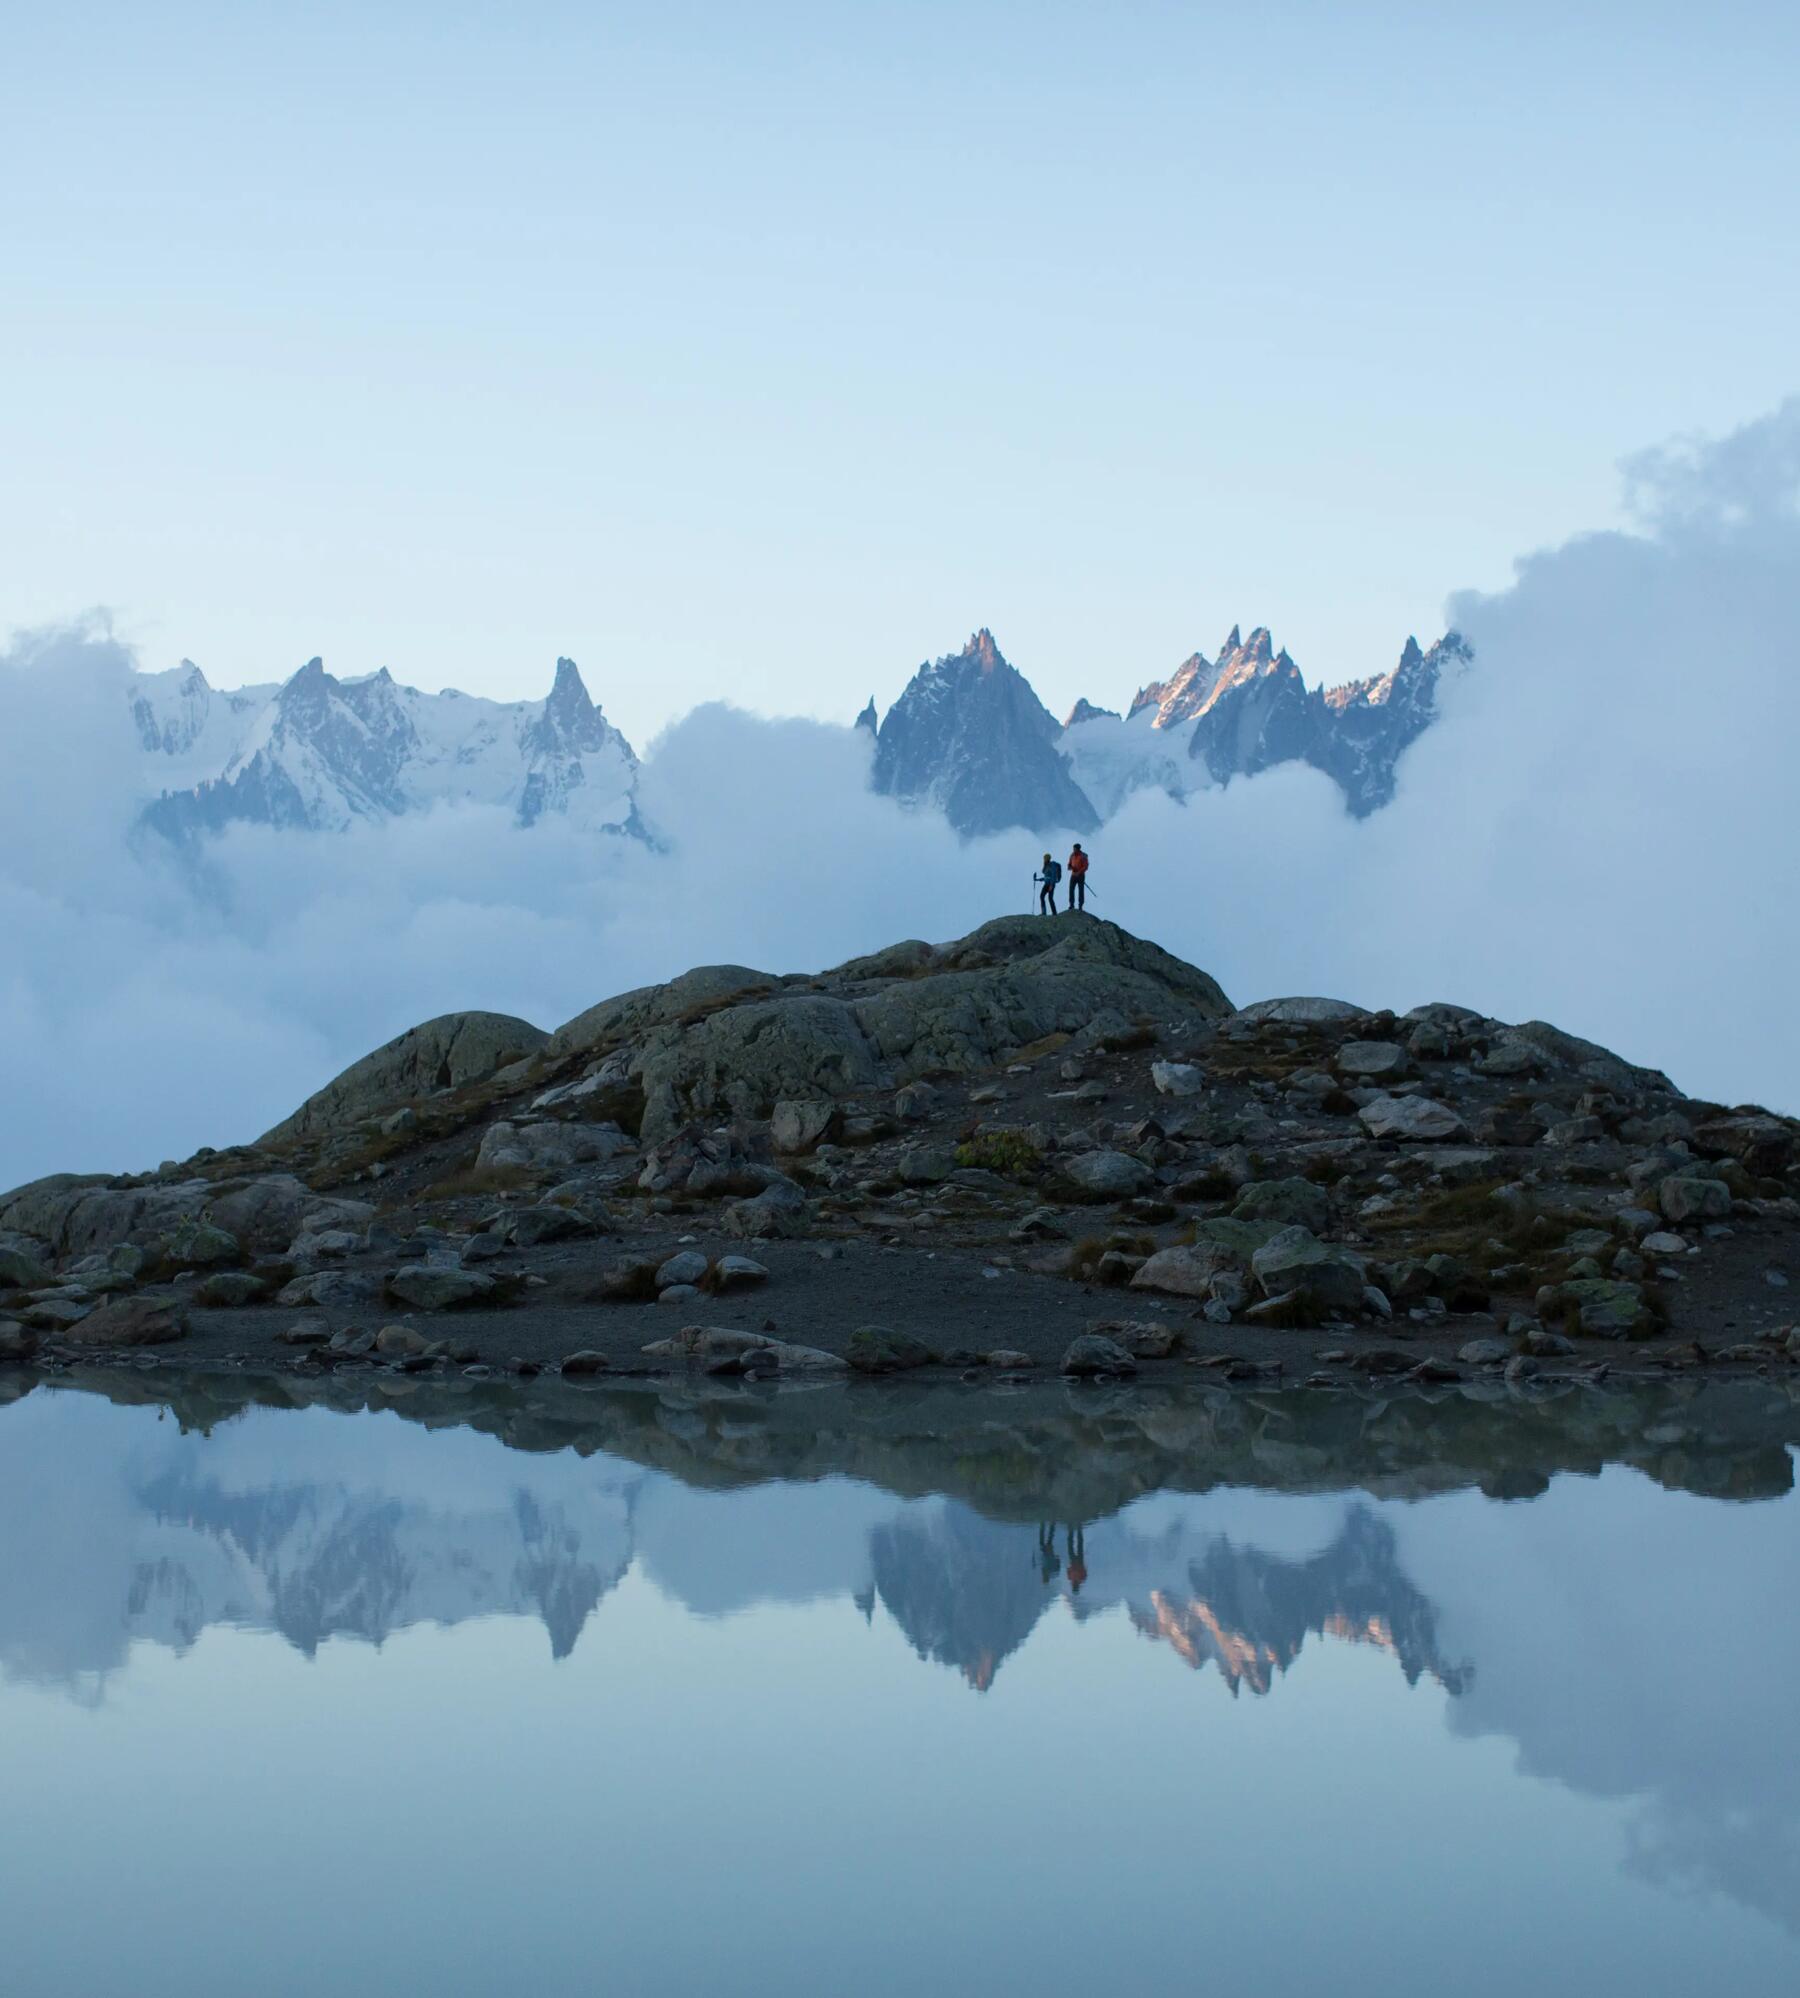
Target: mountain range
[(968, 737)]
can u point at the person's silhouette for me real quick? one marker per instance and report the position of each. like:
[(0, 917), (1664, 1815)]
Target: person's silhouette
[(1077, 1559), (1048, 1565)]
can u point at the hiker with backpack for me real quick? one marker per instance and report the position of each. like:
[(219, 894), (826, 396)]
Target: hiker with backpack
[(1051, 875), (1078, 866)]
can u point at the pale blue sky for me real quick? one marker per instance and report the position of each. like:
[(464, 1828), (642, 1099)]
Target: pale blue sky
[(762, 352)]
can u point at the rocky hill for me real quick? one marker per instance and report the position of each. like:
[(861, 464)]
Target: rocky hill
[(1049, 1144)]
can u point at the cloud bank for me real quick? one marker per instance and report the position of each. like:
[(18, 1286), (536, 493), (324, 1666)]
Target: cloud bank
[(1600, 830)]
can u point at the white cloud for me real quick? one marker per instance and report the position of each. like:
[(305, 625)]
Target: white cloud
[(1600, 831)]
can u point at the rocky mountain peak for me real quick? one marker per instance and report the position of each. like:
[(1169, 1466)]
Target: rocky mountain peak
[(1233, 642), (868, 718), (969, 736), (1085, 710), (982, 649)]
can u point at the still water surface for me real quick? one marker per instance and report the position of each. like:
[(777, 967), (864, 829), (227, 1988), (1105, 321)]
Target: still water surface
[(315, 1700)]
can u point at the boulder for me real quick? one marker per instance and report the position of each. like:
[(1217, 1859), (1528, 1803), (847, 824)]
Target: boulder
[(707, 1345), (685, 1266), (876, 1349), (1295, 1261), (737, 1273), (1372, 1061), (1108, 1175), (549, 1147), (18, 1343), (1417, 1119), (799, 1125), (134, 1321), (531, 1227), (438, 1286), (926, 1165), (1093, 1353), (1602, 1307), (1689, 1197), (777, 1211), (1759, 1142), (1297, 1013), (585, 1364), (1177, 1078), (445, 1053), (22, 1271), (915, 1103), (1510, 1058), (402, 1342), (200, 1244), (1286, 1202)]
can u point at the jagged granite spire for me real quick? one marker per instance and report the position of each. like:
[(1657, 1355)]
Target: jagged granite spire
[(867, 719), (969, 736)]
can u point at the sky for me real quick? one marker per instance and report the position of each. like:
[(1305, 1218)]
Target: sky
[(760, 354)]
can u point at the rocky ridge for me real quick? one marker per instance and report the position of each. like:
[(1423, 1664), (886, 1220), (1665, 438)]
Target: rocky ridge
[(1047, 1146)]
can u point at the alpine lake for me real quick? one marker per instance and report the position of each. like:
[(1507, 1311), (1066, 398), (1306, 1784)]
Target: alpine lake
[(655, 1688)]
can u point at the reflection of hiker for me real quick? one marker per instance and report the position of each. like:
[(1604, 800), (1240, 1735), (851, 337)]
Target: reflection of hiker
[(1048, 1565), (1051, 875), (1078, 863), (1077, 1559)]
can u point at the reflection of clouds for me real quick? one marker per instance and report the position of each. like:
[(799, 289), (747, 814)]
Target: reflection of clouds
[(1636, 1644)]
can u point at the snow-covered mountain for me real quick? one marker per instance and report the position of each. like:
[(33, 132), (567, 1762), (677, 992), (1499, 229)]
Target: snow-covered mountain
[(970, 737), (318, 753), (967, 737)]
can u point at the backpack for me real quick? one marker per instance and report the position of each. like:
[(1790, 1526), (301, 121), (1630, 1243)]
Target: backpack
[(1078, 864), (1053, 873)]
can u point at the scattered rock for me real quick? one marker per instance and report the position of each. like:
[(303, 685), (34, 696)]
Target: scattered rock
[(21, 1271), (1286, 1202), (1295, 1261), (1094, 1354), (438, 1286), (1484, 1353), (737, 1273), (1418, 1119), (876, 1349), (586, 1362), (799, 1124), (686, 1266), (134, 1321), (1372, 1061), (1175, 1078), (1688, 1197), (1109, 1175), (402, 1342)]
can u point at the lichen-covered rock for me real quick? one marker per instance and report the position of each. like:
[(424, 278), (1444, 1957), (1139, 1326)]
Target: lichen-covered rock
[(1286, 1202), (1601, 1307)]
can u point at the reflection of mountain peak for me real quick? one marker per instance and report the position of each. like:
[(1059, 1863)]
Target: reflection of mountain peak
[(1249, 1613)]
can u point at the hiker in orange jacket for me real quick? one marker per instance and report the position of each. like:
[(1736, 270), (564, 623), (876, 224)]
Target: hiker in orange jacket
[(1078, 866)]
